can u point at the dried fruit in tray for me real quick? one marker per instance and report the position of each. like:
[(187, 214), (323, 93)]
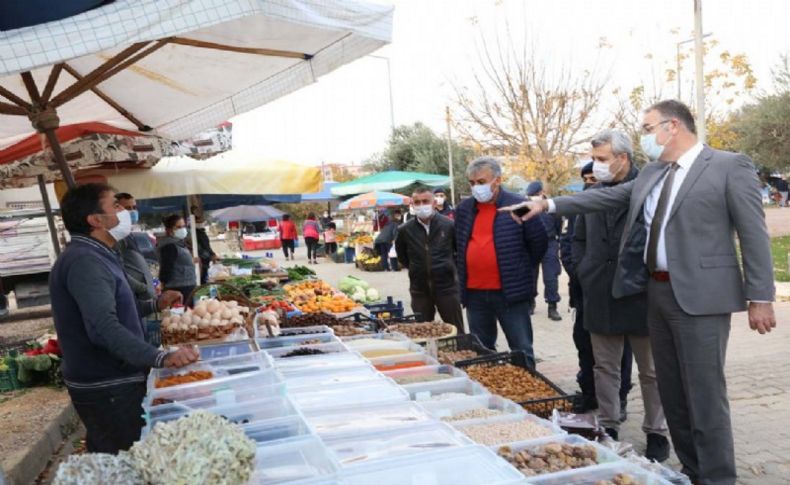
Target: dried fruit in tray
[(511, 382), (310, 320), (550, 458), (178, 379), (404, 380), (450, 357), (423, 330), (302, 352), (476, 413)]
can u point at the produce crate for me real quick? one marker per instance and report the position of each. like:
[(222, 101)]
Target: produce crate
[(379, 310), (8, 378), (456, 343), (539, 407)]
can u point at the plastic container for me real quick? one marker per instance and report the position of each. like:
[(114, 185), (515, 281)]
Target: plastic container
[(278, 430), (427, 391), (296, 461), (384, 339), (274, 343), (604, 455), (349, 395), (220, 368), (541, 407), (371, 350), (360, 448), (469, 465), (589, 475), (450, 374), (447, 409), (396, 362), (328, 348), (226, 349), (294, 331), (311, 380), (323, 363), (223, 390), (553, 432), (273, 395), (357, 420), (240, 413)]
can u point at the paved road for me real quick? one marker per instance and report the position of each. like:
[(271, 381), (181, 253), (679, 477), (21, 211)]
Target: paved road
[(757, 369)]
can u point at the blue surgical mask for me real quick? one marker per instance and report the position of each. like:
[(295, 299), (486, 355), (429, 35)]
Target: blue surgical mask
[(651, 147), (134, 215), (180, 233), (482, 193)]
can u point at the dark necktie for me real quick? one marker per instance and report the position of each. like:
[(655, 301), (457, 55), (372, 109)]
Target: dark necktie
[(658, 218)]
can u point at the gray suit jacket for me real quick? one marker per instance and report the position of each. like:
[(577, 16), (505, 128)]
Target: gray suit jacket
[(720, 196)]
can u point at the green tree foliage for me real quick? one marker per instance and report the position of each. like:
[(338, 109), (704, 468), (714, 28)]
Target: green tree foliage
[(417, 148), (763, 128)]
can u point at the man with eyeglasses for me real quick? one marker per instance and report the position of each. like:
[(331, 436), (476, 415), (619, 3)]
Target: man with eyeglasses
[(693, 200)]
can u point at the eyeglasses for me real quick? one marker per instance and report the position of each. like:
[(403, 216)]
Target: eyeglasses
[(647, 129)]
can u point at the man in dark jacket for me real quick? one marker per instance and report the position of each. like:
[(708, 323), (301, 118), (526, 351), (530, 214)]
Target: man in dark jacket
[(586, 401), (97, 319), (386, 237), (426, 247), (613, 321), (443, 206), (495, 259), (551, 260), (138, 274)]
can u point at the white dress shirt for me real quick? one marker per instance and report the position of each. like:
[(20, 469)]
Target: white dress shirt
[(684, 165)]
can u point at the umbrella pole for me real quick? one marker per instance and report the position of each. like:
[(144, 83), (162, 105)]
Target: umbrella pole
[(57, 152), (53, 233)]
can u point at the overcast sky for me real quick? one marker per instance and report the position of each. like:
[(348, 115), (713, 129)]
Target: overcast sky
[(345, 116)]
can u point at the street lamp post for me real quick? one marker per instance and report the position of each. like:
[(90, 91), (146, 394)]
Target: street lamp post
[(389, 82)]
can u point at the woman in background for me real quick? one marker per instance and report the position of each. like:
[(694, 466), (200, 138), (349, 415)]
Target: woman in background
[(288, 236), (330, 239), (176, 264), (311, 231)]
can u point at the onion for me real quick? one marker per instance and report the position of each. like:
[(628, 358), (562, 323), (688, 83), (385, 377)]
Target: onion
[(232, 303), (226, 314), (216, 322), (213, 306), (204, 323), (201, 310)]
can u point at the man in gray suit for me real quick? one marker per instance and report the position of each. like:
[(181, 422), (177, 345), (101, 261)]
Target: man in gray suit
[(692, 201)]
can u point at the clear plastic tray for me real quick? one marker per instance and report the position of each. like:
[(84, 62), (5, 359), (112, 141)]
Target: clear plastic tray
[(604, 455), (222, 388), (385, 364), (311, 380), (288, 332), (323, 363), (220, 368), (591, 475), (469, 465), (554, 432), (293, 462), (427, 391), (349, 395), (273, 343), (226, 349), (371, 351), (450, 408), (361, 448), (328, 348), (362, 419), (252, 390), (287, 428), (382, 339), (240, 413), (451, 373)]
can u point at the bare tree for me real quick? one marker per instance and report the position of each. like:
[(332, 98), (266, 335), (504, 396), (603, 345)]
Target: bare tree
[(538, 118)]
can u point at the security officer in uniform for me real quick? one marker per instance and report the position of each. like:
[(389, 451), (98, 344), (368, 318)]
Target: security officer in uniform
[(551, 261)]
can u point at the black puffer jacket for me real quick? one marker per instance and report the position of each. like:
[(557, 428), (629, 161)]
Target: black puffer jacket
[(430, 258)]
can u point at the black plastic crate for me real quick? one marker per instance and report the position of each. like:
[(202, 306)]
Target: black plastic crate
[(462, 342), (540, 407), (394, 309)]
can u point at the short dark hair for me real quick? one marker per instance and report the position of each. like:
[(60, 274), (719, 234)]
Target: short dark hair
[(171, 220), (397, 212), (286, 217), (80, 202), (422, 190), (123, 196), (311, 216), (670, 108)]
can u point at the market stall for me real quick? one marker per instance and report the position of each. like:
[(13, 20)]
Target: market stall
[(358, 244)]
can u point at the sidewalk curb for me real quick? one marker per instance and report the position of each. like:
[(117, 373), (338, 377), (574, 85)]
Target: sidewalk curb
[(33, 460)]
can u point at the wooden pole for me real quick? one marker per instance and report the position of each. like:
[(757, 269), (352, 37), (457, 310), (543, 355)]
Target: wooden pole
[(53, 232), (57, 153)]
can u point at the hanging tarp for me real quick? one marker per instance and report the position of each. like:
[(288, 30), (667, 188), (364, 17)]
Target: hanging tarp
[(390, 180)]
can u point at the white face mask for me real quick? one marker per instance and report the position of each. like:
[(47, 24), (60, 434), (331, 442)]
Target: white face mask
[(440, 200), (180, 233), (411, 210), (602, 172), (482, 193), (124, 226), (424, 211)]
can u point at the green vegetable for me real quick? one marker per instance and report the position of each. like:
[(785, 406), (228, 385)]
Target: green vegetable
[(349, 284)]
